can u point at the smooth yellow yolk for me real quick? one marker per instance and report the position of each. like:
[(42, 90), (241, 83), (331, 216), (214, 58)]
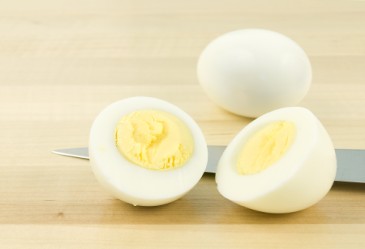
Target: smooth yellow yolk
[(154, 139), (266, 147)]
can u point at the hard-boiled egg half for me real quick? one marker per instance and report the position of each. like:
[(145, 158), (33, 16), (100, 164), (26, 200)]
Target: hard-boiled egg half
[(253, 71), (283, 161), (147, 151)]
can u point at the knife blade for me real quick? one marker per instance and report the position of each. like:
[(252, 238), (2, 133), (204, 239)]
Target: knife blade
[(350, 162)]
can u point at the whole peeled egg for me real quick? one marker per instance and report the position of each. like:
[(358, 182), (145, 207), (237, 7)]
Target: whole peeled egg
[(253, 71), (283, 161), (146, 151)]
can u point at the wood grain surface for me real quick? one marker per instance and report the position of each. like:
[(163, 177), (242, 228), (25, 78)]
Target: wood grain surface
[(62, 62)]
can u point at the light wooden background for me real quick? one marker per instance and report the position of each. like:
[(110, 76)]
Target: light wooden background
[(61, 62)]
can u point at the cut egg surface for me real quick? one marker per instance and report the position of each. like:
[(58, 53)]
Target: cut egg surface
[(282, 162), (147, 151)]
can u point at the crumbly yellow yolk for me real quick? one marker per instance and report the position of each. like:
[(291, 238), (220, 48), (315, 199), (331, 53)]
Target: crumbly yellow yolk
[(266, 147), (154, 139)]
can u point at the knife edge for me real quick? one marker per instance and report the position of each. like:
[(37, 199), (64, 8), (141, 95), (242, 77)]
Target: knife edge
[(350, 162)]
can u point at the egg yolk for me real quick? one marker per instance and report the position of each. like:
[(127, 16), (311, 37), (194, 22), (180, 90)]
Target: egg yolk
[(265, 147), (154, 139)]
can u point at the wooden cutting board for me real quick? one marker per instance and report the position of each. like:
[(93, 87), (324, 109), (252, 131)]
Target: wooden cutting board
[(63, 61)]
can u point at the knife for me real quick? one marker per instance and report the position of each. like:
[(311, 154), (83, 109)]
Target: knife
[(350, 162)]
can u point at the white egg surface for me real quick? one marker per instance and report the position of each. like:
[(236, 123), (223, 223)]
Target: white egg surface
[(288, 164), (250, 72), (147, 151)]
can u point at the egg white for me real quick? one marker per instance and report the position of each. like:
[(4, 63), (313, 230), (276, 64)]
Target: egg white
[(250, 72), (301, 178), (132, 183)]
